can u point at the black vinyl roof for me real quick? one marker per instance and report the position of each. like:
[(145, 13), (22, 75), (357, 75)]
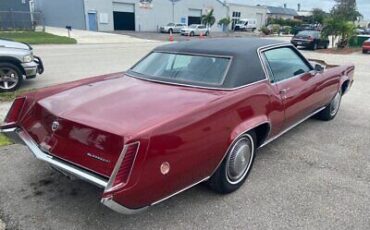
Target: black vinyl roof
[(245, 67)]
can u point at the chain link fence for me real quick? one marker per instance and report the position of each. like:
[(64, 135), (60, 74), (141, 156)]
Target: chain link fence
[(21, 20)]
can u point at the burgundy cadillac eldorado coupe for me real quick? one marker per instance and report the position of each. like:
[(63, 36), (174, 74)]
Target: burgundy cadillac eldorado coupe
[(186, 113)]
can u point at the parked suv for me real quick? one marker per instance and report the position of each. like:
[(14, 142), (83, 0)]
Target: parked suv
[(195, 29), (172, 28), (16, 61)]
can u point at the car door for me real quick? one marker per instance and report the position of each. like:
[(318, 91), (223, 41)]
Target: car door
[(177, 28), (292, 78)]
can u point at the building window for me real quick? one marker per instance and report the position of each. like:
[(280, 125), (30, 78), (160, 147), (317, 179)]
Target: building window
[(235, 19), (23, 1)]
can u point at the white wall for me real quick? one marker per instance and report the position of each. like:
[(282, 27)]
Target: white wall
[(160, 14), (250, 12)]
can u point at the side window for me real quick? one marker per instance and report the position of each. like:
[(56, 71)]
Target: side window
[(285, 63)]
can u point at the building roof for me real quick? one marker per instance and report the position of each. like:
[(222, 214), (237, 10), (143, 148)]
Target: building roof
[(281, 11), (245, 67), (304, 13)]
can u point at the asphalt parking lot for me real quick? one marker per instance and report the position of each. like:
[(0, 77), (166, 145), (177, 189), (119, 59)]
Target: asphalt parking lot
[(316, 176)]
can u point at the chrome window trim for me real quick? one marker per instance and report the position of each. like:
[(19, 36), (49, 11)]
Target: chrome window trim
[(197, 87), (230, 59), (267, 68)]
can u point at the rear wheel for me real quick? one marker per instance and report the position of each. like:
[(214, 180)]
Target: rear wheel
[(236, 166), (364, 51), (207, 33), (10, 77), (170, 31), (332, 109), (192, 34)]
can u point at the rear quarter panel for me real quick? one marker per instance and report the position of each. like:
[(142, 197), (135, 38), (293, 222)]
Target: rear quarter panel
[(196, 143)]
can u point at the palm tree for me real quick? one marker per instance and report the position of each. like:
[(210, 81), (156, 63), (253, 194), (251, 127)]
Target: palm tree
[(208, 19)]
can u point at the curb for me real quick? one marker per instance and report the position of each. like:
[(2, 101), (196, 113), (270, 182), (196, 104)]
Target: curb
[(2, 225)]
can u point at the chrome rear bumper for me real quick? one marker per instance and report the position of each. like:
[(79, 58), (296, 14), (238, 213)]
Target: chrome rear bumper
[(17, 135)]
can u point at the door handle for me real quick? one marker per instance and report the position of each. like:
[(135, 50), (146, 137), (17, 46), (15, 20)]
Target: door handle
[(283, 91)]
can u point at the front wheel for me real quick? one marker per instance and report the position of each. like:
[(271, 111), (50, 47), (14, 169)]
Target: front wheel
[(192, 34), (236, 166), (332, 109), (314, 46), (207, 33), (11, 77)]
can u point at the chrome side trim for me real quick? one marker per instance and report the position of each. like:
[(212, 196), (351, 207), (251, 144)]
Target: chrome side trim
[(11, 134), (110, 203), (290, 127), (174, 194)]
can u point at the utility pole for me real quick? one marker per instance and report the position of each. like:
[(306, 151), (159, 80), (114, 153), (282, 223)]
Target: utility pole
[(173, 9)]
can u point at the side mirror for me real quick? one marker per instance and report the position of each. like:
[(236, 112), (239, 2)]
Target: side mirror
[(319, 68)]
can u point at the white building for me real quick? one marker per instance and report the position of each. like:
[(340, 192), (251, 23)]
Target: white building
[(239, 11), (138, 15)]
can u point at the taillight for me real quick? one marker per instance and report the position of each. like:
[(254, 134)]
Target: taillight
[(123, 168), (15, 110)]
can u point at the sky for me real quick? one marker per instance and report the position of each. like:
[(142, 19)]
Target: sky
[(362, 5)]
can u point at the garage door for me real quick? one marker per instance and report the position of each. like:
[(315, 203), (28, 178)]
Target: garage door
[(123, 16), (194, 16)]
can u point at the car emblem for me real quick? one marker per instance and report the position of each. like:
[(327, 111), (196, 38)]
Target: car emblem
[(54, 126), (97, 157)]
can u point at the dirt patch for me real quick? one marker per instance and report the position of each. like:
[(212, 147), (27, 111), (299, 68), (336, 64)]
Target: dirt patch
[(340, 51)]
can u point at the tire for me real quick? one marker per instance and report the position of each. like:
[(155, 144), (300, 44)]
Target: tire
[(331, 111), (234, 169), (207, 33), (192, 34), (170, 31), (314, 46), (11, 77), (364, 51)]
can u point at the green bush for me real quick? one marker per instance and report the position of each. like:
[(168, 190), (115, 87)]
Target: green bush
[(265, 30)]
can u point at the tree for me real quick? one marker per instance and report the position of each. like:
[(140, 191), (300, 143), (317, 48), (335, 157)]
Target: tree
[(224, 22), (319, 16), (339, 28), (346, 10), (208, 19)]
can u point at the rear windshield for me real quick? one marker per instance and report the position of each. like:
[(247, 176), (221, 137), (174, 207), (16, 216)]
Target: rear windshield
[(183, 68), (308, 33)]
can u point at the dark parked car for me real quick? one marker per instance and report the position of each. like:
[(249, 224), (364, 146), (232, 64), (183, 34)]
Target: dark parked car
[(366, 46), (16, 62), (186, 113), (310, 39)]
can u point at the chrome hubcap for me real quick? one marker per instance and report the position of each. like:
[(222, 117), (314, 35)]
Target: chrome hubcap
[(8, 78), (240, 159), (334, 107)]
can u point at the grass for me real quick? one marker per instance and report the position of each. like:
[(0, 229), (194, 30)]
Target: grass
[(31, 37), (4, 140), (10, 96)]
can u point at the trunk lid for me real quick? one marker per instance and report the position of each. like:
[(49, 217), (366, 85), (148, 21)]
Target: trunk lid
[(95, 120)]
